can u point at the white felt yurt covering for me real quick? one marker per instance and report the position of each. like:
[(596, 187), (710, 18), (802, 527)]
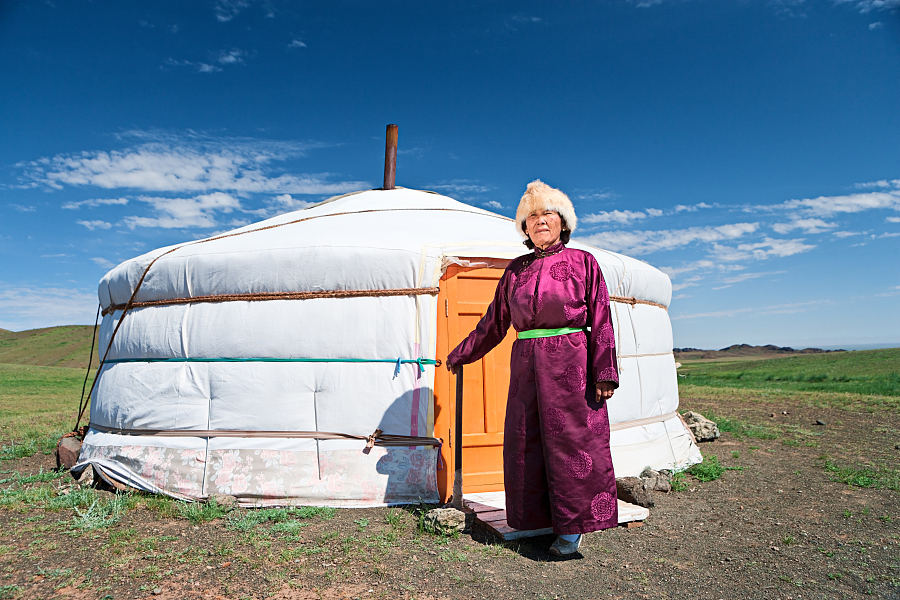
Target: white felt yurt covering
[(375, 240)]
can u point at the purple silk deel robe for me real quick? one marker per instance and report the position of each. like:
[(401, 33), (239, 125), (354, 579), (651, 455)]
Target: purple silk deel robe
[(557, 467)]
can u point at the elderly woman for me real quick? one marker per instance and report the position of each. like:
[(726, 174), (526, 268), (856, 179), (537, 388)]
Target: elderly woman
[(558, 470)]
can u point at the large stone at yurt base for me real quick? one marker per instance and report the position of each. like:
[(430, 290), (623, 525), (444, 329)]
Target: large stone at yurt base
[(208, 375)]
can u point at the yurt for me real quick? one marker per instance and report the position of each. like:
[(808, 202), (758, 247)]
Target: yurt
[(296, 361)]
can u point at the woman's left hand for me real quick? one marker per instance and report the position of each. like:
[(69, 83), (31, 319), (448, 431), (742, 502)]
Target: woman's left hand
[(605, 390)]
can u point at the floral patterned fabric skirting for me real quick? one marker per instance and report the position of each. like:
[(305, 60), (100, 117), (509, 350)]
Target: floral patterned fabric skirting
[(346, 477)]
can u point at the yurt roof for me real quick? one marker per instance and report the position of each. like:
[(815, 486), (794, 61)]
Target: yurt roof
[(376, 239)]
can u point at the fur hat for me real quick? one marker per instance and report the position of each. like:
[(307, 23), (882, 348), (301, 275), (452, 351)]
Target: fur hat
[(540, 196)]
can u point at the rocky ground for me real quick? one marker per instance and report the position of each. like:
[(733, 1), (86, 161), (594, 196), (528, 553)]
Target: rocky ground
[(776, 525)]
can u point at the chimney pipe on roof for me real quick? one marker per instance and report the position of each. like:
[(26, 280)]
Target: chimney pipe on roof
[(390, 157)]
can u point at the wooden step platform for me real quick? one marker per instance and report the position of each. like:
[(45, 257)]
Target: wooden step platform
[(490, 513)]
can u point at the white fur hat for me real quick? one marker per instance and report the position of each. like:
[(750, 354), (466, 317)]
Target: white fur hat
[(540, 196)]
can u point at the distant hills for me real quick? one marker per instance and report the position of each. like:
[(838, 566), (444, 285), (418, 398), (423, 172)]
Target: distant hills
[(745, 350), (66, 346)]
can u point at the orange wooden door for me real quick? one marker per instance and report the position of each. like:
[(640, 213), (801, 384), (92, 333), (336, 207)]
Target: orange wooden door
[(464, 297)]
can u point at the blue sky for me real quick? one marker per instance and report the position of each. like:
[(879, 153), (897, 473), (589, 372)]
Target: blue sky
[(751, 149)]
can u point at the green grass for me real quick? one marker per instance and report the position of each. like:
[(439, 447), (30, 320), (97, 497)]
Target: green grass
[(864, 476), (741, 429), (66, 346), (866, 372), (37, 406)]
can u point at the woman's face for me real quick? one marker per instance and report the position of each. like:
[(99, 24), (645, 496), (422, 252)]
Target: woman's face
[(543, 227)]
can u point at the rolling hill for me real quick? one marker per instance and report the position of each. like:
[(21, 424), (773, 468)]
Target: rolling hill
[(66, 346)]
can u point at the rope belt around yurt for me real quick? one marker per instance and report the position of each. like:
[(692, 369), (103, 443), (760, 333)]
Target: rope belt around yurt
[(530, 334), (378, 438), (400, 361)]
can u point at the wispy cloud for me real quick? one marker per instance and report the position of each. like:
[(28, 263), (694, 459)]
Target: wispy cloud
[(893, 219), (21, 208), (102, 262), (95, 203), (748, 276), (92, 225), (189, 163), (767, 248), (645, 242), (495, 205), (807, 225), (764, 310), (867, 6), (24, 307), (297, 43), (199, 211), (460, 186), (226, 10), (218, 60), (828, 206), (876, 25), (620, 216)]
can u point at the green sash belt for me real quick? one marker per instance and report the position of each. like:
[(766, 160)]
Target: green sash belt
[(541, 333)]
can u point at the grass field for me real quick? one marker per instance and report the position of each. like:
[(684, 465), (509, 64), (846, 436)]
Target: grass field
[(867, 372), (37, 405), (67, 346)]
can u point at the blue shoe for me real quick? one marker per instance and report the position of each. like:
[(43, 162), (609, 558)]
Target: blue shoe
[(562, 548)]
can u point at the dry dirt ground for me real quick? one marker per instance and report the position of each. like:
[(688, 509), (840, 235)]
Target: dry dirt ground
[(777, 527)]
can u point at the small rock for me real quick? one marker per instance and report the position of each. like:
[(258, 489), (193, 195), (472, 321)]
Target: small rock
[(445, 521), (87, 476), (67, 451), (224, 500), (896, 446), (703, 429), (820, 422), (657, 481), (784, 412), (634, 491), (157, 591)]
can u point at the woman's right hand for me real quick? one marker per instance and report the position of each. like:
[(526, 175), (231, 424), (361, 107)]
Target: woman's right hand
[(452, 368)]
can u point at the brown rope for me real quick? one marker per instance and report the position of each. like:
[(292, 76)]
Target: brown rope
[(432, 291), (632, 301), (378, 438)]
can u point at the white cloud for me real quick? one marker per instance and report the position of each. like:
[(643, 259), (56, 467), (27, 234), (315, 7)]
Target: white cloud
[(764, 310), (297, 44), (23, 307), (620, 216), (102, 262), (681, 286), (881, 183), (191, 163), (761, 250), (92, 225), (867, 6), (201, 67), (199, 211), (592, 195), (226, 10), (460, 186), (231, 57), (20, 208), (53, 255), (494, 204), (846, 234), (893, 219), (94, 203), (645, 242), (827, 206), (285, 203), (747, 276), (694, 266), (807, 225), (876, 25)]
